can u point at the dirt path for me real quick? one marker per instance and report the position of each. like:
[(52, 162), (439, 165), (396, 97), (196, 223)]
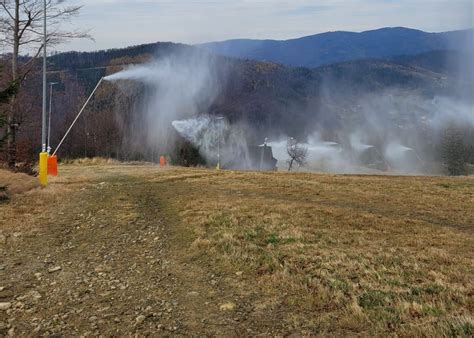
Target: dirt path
[(102, 258)]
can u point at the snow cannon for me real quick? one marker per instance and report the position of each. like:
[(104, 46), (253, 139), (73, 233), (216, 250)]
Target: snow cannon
[(53, 165)]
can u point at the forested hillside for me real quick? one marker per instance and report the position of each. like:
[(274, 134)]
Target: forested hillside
[(271, 100)]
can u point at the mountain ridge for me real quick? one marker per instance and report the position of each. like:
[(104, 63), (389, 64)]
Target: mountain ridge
[(333, 47)]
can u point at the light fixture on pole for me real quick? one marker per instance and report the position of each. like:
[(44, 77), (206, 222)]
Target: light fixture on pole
[(51, 84)]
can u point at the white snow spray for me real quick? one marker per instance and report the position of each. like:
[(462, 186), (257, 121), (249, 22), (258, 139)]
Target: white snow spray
[(176, 87), (213, 135), (204, 132)]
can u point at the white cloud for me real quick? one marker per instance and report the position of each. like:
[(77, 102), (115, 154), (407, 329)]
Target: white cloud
[(118, 23)]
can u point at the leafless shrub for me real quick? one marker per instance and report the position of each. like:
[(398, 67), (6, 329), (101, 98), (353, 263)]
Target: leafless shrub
[(297, 153)]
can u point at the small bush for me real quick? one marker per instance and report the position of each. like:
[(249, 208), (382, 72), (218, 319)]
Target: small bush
[(454, 151)]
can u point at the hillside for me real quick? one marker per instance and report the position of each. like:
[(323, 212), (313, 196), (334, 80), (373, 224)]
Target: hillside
[(265, 99), (333, 47), (289, 98), (83, 60)]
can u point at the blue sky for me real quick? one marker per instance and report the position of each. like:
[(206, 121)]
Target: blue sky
[(120, 23)]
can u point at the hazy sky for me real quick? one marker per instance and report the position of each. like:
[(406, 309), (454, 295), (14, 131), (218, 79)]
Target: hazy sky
[(120, 23)]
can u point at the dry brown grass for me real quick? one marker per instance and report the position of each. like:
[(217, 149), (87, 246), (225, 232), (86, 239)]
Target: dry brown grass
[(86, 161), (17, 183), (339, 254), (316, 254)]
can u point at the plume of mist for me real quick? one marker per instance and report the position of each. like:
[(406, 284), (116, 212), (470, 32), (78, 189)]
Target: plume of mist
[(387, 129), (402, 159), (213, 136), (445, 110), (204, 132), (357, 144), (395, 130), (176, 87)]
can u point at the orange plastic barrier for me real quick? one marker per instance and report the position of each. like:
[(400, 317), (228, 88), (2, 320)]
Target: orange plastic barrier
[(52, 165), (162, 161)]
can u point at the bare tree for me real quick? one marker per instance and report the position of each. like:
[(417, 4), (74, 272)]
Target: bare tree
[(21, 23), (297, 153)]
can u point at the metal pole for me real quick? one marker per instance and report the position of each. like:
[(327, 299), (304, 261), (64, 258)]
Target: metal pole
[(49, 116), (51, 84), (43, 129), (43, 156), (219, 154), (77, 117), (219, 136)]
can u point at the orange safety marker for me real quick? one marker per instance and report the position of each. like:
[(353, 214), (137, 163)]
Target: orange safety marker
[(162, 161), (53, 165)]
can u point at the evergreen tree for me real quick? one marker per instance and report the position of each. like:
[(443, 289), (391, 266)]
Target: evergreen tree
[(454, 151), (5, 96)]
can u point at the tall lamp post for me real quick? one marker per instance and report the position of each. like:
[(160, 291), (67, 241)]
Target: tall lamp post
[(51, 84), (43, 157), (219, 118)]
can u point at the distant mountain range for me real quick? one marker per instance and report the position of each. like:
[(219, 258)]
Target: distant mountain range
[(333, 47)]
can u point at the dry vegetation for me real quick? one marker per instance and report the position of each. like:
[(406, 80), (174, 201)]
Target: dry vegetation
[(90, 161), (295, 253), (16, 183), (340, 254)]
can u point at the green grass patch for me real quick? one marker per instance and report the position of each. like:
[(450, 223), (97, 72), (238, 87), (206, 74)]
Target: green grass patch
[(445, 185), (460, 330), (416, 291), (432, 311), (273, 239), (374, 298), (433, 289), (341, 285)]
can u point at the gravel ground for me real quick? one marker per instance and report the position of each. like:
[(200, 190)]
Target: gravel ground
[(95, 256)]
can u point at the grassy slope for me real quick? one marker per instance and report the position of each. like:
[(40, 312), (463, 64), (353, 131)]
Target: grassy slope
[(339, 254), (296, 253)]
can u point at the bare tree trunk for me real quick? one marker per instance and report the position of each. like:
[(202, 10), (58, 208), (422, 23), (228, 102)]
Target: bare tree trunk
[(291, 164), (11, 138), (11, 121)]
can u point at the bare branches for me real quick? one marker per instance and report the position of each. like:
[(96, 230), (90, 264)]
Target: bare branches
[(297, 153), (7, 10), (21, 23)]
